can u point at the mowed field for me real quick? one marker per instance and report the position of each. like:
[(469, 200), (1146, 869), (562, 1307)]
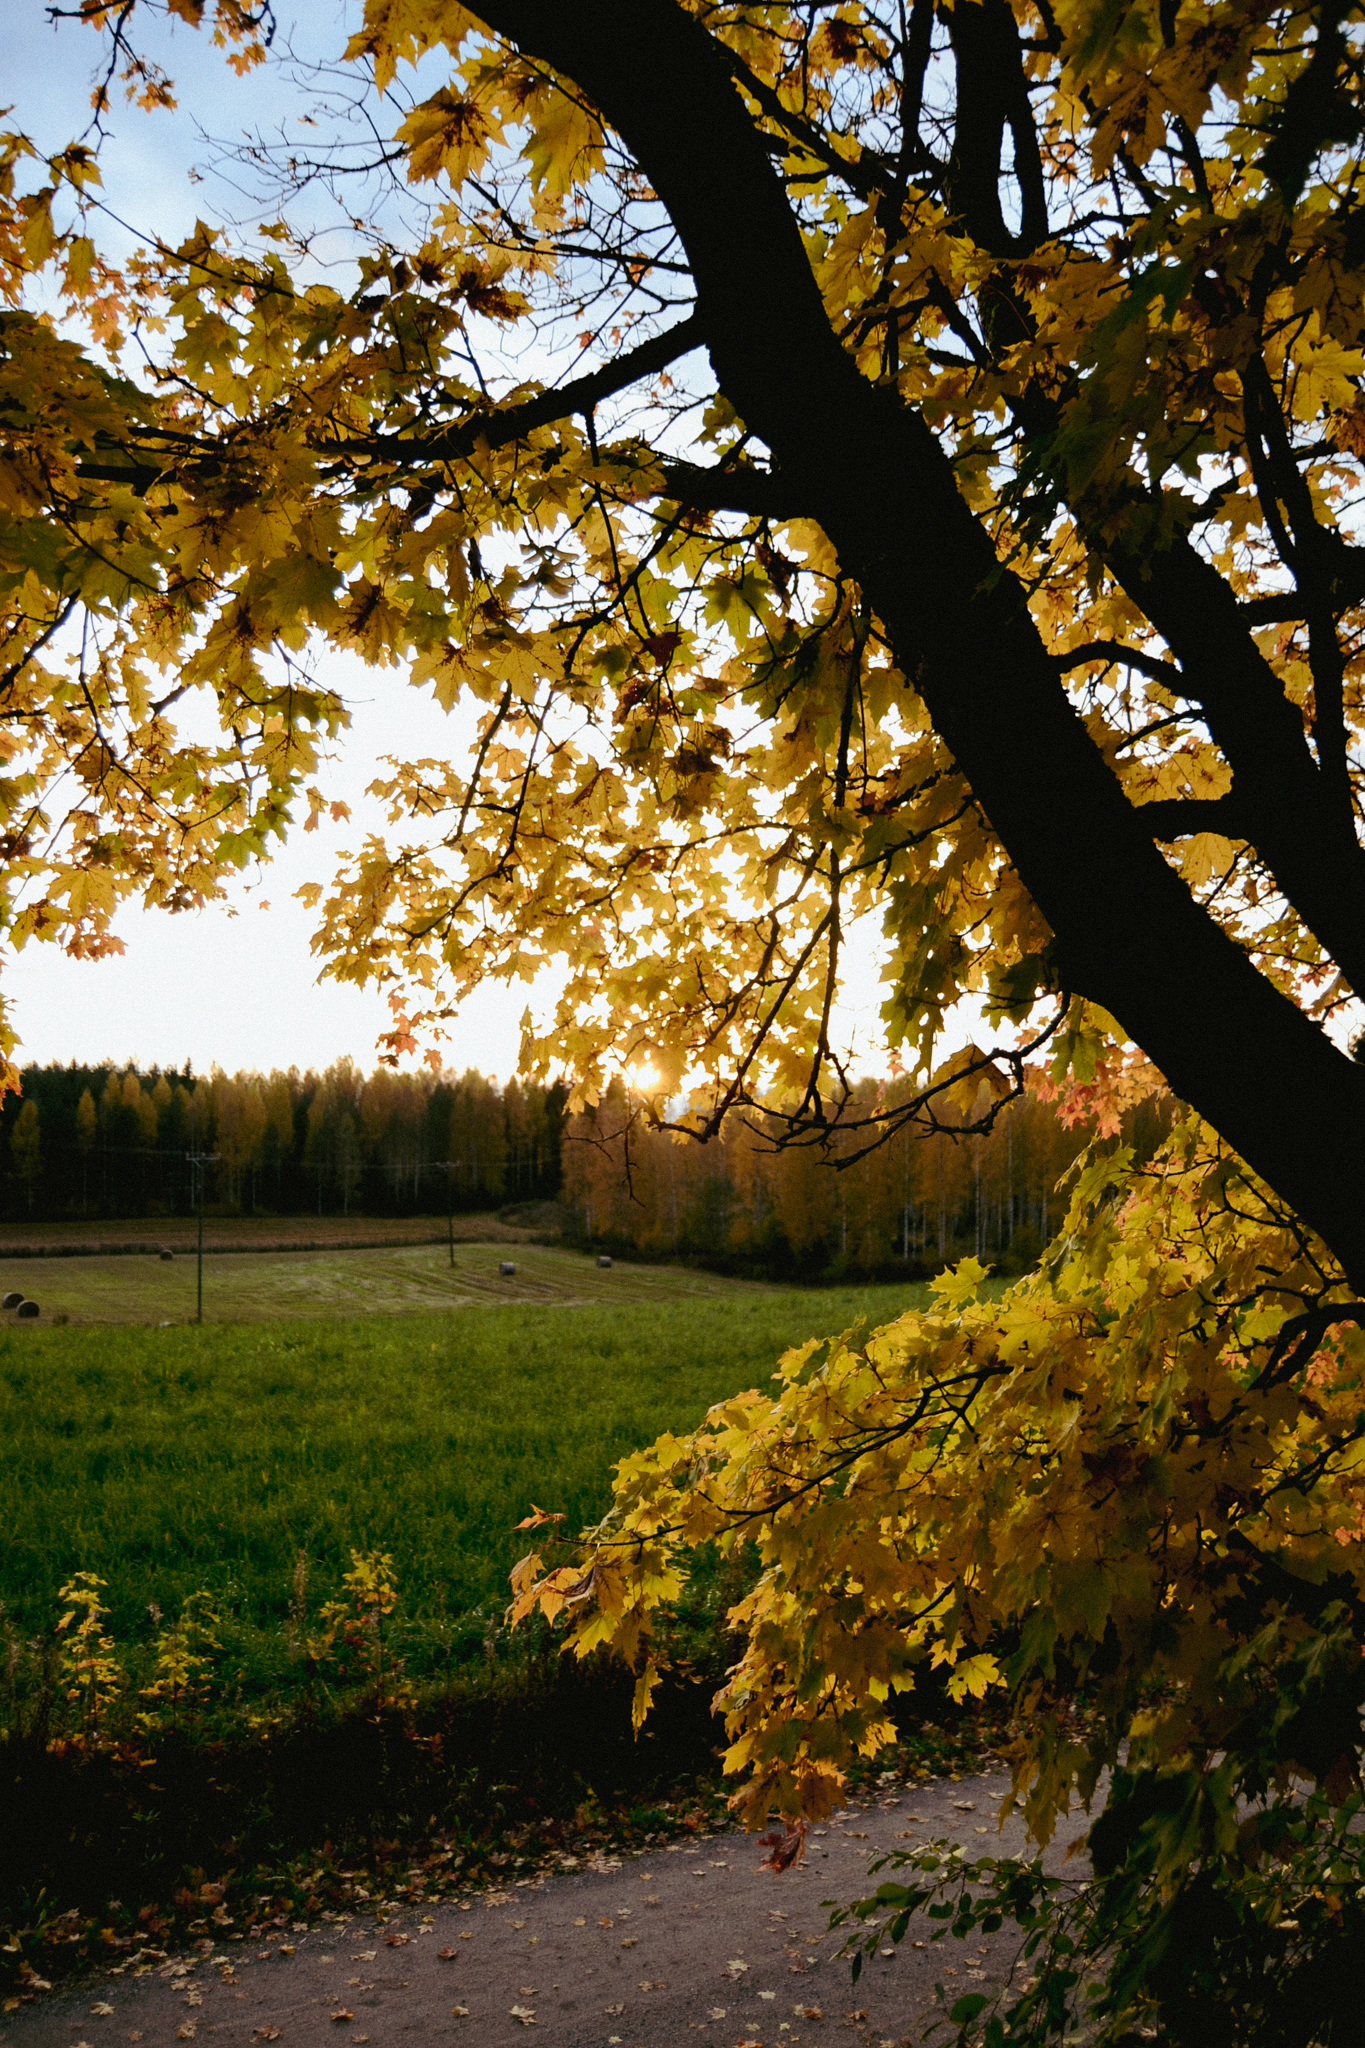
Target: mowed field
[(249, 1457), (250, 1286)]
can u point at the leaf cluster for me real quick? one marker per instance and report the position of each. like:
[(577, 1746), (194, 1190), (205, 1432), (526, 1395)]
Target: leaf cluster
[(1248, 1944), (1138, 1473)]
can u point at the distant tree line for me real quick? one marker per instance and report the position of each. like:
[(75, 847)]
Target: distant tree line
[(107, 1141), (745, 1205)]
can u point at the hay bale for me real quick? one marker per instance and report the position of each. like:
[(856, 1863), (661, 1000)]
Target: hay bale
[(506, 1269), (27, 1310), (166, 1257), (603, 1262), (11, 1301)]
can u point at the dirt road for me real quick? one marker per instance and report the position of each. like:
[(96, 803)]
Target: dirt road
[(687, 1943)]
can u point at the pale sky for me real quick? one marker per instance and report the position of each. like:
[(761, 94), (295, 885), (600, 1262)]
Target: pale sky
[(235, 984)]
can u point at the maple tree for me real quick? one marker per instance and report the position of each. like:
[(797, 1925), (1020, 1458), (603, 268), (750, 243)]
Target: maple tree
[(864, 459)]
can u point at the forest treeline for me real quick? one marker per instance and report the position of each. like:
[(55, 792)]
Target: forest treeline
[(104, 1142), (742, 1204), (120, 1142)]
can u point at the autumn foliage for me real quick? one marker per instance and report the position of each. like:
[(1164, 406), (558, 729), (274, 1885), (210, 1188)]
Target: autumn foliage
[(859, 462), (749, 1204)]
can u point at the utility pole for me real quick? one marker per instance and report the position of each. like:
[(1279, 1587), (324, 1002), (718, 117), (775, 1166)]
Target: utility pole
[(198, 1161), (450, 1167)]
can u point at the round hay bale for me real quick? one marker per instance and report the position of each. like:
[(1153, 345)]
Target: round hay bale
[(604, 1263), (11, 1301), (166, 1257), (506, 1269), (27, 1310)]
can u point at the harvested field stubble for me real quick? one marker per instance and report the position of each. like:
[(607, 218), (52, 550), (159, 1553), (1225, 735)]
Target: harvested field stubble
[(393, 1280)]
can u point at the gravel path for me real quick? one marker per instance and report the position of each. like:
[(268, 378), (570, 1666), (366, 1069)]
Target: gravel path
[(684, 1944)]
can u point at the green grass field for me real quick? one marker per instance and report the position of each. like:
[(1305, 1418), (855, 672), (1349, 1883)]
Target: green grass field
[(173, 1459)]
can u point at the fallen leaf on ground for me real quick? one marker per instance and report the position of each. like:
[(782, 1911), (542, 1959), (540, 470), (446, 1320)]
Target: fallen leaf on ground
[(394, 1940), (518, 1923), (466, 1934), (265, 2033), (613, 2011), (364, 1955), (524, 2014), (654, 1984), (629, 1942), (342, 2013), (103, 2010), (736, 1967), (854, 2017), (445, 1955), (527, 1990), (767, 1994), (182, 2033), (808, 2012), (580, 1923), (784, 1846), (717, 2012), (604, 1922), (459, 2012), (286, 1948)]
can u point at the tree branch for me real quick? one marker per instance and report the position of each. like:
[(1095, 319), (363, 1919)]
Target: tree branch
[(497, 427), (1127, 932), (494, 428), (1179, 817), (992, 95), (758, 493), (1151, 665)]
